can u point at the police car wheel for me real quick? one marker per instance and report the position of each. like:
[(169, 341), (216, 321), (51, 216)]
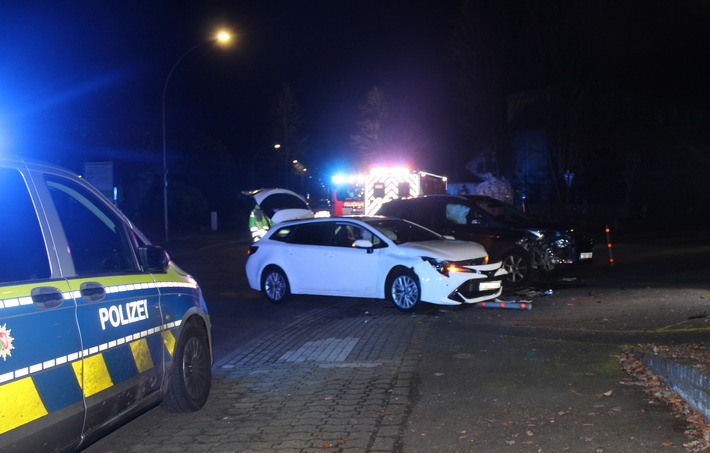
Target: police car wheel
[(403, 289), (191, 373), (274, 285)]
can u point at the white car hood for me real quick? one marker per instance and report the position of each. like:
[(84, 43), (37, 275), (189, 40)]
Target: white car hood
[(445, 249)]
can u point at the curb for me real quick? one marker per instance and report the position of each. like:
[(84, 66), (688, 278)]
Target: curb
[(692, 384)]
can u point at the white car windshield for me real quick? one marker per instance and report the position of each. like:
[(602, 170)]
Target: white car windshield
[(401, 231)]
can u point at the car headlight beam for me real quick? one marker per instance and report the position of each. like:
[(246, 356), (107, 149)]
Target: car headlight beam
[(445, 267)]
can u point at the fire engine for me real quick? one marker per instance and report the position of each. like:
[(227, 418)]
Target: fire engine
[(348, 194), (364, 194)]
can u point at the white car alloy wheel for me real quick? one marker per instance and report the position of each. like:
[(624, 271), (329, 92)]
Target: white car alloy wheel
[(404, 290), (275, 285)]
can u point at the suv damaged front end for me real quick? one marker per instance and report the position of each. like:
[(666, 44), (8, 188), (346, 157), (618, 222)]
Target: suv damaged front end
[(552, 250)]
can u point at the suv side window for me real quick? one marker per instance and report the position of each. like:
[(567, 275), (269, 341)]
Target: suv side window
[(459, 214), (24, 254), (98, 240)]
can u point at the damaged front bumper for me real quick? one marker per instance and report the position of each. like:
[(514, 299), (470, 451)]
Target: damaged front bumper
[(482, 283)]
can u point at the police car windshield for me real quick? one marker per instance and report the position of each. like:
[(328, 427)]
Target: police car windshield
[(400, 231)]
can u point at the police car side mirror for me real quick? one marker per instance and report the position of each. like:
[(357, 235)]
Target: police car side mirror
[(153, 258)]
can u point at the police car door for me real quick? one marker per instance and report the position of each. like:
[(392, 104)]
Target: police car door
[(118, 308), (41, 403)]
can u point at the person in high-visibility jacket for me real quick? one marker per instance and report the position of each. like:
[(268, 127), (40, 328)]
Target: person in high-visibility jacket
[(259, 223)]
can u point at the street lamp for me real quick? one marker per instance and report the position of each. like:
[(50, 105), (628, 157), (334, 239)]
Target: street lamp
[(221, 37)]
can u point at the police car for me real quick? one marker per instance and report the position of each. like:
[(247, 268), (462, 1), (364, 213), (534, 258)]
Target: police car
[(96, 323)]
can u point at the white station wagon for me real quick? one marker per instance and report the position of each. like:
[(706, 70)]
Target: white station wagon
[(374, 257)]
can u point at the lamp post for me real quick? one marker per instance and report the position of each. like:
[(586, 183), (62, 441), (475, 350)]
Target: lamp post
[(221, 37)]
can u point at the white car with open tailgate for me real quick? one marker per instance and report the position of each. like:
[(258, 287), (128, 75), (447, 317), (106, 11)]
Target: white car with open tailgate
[(375, 257)]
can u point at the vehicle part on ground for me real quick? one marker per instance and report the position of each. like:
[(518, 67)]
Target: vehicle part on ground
[(502, 304), (403, 289), (274, 285), (191, 375)]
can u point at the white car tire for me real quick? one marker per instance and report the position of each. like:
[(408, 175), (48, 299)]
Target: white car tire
[(403, 289), (274, 285)]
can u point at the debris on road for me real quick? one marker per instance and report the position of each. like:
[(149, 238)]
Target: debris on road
[(521, 305)]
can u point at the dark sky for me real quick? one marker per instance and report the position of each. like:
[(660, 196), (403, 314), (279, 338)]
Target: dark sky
[(100, 66), (61, 60)]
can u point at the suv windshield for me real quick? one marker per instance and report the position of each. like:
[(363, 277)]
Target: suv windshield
[(401, 231)]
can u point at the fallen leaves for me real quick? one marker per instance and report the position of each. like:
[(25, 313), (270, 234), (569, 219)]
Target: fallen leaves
[(699, 354)]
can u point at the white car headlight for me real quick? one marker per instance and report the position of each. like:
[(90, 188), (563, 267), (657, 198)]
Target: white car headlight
[(445, 267)]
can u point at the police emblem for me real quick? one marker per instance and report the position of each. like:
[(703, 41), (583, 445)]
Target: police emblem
[(5, 342)]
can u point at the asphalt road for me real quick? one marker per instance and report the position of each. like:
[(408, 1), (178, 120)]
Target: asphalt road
[(441, 379)]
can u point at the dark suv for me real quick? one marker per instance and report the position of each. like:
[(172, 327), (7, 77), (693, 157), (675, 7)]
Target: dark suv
[(529, 247)]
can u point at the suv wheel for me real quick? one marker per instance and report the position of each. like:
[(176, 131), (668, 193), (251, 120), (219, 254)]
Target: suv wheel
[(519, 269)]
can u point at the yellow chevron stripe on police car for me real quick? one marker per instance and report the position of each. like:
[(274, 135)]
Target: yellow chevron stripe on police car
[(96, 375), (20, 404), (169, 341), (141, 355)]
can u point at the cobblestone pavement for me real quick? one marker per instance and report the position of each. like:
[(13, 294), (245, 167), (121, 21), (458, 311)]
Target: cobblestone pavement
[(355, 375), (336, 379)]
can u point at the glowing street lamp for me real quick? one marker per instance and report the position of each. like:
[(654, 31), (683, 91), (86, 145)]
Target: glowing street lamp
[(221, 37)]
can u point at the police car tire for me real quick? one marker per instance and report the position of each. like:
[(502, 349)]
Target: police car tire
[(191, 373)]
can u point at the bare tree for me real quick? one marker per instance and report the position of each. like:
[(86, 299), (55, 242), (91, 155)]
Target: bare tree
[(482, 47), (559, 47), (287, 131), (370, 140)]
